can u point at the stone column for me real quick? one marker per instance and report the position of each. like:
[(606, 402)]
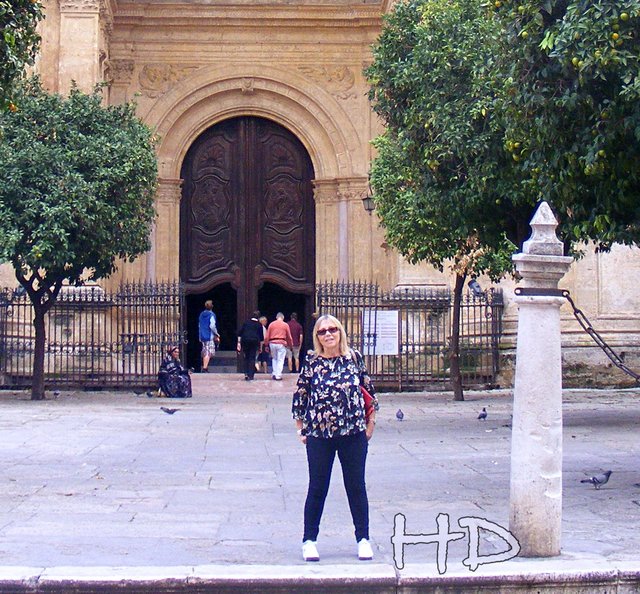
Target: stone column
[(119, 74), (325, 193), (163, 260), (536, 448), (80, 40)]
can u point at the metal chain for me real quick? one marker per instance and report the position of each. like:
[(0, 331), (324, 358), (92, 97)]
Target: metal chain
[(591, 331)]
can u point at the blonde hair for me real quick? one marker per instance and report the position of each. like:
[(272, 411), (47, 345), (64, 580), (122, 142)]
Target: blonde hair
[(317, 345)]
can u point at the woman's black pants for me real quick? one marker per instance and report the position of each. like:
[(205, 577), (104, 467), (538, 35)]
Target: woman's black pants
[(352, 453)]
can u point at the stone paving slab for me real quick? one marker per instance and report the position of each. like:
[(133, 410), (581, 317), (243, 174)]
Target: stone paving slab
[(107, 480)]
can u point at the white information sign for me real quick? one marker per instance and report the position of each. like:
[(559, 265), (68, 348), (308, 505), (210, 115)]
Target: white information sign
[(380, 332)]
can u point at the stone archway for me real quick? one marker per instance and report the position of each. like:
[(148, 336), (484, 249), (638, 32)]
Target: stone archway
[(338, 152)]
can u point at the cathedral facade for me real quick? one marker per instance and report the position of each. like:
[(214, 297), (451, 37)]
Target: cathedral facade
[(264, 144)]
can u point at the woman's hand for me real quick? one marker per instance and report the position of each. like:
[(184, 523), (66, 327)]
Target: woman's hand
[(371, 424)]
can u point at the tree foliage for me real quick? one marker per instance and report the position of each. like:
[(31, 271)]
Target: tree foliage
[(443, 183), (78, 181), (571, 102), (491, 108), (444, 187), (18, 43)]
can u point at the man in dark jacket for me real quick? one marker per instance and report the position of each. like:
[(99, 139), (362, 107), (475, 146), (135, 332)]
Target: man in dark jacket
[(250, 336)]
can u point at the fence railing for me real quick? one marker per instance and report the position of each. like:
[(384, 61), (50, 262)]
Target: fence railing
[(94, 339), (97, 339), (405, 333)]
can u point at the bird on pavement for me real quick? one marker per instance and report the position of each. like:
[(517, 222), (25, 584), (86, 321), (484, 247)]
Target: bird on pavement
[(483, 415), (399, 415), (598, 480), (169, 411)]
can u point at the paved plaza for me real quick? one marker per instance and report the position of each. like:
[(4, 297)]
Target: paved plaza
[(101, 485)]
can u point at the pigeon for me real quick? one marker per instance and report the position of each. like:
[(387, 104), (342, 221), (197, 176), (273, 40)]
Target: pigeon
[(169, 411), (399, 415), (598, 480), (483, 415)]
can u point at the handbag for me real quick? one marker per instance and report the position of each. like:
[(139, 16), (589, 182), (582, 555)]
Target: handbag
[(368, 402)]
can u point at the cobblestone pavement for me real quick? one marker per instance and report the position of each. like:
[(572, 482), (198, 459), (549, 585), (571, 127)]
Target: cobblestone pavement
[(109, 479)]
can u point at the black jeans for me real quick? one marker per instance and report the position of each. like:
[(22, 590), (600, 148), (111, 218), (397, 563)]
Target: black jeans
[(249, 350), (352, 453)]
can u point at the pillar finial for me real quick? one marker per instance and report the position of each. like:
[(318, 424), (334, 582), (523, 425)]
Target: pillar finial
[(543, 240)]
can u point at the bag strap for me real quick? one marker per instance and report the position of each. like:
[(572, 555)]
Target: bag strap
[(357, 357)]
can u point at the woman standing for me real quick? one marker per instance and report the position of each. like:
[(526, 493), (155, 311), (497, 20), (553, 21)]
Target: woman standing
[(328, 408)]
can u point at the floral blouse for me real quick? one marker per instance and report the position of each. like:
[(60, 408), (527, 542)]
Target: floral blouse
[(328, 399)]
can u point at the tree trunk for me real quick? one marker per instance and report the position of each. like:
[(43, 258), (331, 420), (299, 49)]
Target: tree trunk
[(454, 347), (37, 382), (43, 295)]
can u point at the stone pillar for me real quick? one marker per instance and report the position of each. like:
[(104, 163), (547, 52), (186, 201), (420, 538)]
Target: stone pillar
[(119, 74), (536, 447), (355, 232), (80, 41), (325, 194), (163, 260)]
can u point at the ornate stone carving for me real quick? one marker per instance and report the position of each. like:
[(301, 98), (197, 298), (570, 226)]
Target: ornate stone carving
[(119, 71), (246, 85), (351, 189), (169, 191), (157, 79), (338, 80), (81, 5)]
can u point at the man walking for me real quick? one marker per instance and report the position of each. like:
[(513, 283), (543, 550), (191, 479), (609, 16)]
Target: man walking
[(293, 353), (250, 336), (208, 331), (278, 339)]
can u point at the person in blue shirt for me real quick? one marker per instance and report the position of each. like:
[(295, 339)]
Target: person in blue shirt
[(208, 331)]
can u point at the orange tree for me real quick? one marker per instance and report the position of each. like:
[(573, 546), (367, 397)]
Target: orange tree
[(491, 108), (18, 43), (445, 188), (570, 103), (77, 188)]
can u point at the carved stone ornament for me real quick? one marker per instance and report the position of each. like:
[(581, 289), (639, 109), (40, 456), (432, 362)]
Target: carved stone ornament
[(157, 79), (81, 5), (246, 85), (337, 80), (119, 71)]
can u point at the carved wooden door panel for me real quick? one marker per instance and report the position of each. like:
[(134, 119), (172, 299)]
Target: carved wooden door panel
[(247, 213)]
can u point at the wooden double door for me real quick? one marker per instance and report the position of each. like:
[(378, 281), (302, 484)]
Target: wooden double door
[(247, 219)]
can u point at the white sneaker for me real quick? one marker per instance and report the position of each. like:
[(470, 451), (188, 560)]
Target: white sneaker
[(309, 551), (365, 552)]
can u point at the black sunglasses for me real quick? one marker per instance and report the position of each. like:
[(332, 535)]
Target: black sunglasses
[(331, 330)]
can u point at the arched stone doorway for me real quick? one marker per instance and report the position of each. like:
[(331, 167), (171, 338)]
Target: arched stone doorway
[(247, 225)]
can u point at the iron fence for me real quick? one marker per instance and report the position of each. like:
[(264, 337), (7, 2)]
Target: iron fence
[(97, 339), (94, 338), (405, 333)]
